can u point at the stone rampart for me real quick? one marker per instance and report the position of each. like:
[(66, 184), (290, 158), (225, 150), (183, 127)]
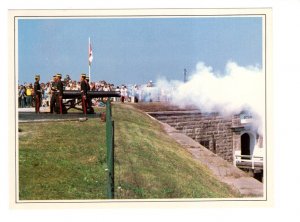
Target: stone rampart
[(217, 133)]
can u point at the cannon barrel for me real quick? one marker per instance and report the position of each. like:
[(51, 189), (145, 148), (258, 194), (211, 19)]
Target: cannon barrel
[(98, 94), (72, 94)]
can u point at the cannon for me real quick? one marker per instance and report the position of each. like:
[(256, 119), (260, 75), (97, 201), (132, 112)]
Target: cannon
[(75, 97)]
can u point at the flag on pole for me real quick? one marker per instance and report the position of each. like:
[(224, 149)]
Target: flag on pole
[(90, 54)]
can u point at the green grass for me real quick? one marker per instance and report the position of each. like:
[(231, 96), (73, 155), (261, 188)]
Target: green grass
[(67, 160)]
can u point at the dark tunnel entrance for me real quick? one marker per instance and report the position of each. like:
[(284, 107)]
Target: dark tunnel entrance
[(245, 145)]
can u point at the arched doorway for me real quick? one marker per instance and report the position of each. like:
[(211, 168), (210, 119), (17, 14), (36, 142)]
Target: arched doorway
[(245, 145)]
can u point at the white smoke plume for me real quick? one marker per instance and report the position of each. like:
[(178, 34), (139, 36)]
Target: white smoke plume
[(239, 88)]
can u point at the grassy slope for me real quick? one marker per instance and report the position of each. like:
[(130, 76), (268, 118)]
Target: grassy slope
[(56, 163)]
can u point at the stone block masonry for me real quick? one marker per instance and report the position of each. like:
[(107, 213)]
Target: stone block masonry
[(219, 134)]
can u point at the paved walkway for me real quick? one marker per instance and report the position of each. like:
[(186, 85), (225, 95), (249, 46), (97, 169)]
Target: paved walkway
[(28, 115), (226, 172)]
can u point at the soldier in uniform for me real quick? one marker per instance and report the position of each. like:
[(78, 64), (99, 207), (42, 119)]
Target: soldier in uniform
[(83, 89), (60, 89), (88, 83), (89, 100), (37, 93), (53, 96)]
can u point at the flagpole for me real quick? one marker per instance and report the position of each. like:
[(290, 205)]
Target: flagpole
[(89, 61)]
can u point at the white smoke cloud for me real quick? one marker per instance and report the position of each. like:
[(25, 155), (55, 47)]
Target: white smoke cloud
[(239, 88)]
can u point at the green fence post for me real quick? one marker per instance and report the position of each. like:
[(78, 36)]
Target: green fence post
[(110, 150), (112, 160)]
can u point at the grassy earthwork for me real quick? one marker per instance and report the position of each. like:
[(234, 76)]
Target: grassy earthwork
[(67, 161)]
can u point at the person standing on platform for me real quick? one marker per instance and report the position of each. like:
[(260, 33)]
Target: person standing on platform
[(29, 91), (53, 88), (88, 100), (83, 89), (122, 93), (88, 83), (37, 94), (60, 89), (22, 95)]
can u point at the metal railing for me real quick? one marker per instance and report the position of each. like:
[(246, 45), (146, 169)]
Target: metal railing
[(253, 159)]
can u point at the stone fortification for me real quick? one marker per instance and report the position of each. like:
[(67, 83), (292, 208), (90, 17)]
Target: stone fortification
[(220, 134)]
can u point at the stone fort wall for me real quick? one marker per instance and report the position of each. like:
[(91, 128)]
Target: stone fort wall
[(220, 134)]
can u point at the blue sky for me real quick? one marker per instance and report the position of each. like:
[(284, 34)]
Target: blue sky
[(135, 50)]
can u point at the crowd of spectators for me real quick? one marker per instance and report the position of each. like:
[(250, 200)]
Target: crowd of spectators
[(129, 93)]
